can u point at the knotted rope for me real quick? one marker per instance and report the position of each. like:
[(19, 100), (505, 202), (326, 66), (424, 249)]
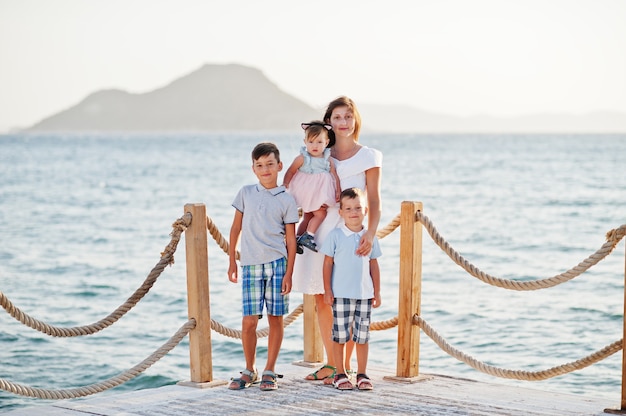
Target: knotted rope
[(613, 237), (167, 258), (516, 374), (106, 384)]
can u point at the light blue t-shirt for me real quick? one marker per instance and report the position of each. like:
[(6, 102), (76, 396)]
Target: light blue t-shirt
[(265, 213), (351, 273)]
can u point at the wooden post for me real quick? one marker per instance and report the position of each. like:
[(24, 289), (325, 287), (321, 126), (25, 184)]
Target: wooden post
[(313, 346), (201, 366), (623, 406), (410, 288)]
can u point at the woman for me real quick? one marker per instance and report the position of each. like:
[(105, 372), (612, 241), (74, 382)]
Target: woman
[(357, 166)]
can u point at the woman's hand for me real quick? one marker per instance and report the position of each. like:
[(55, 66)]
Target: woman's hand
[(365, 244)]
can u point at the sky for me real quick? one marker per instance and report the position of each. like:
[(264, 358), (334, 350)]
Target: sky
[(457, 57)]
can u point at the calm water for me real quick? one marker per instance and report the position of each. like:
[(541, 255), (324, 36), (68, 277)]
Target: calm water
[(84, 218)]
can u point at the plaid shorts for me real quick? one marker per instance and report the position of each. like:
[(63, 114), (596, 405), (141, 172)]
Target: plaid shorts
[(351, 315), (262, 284)]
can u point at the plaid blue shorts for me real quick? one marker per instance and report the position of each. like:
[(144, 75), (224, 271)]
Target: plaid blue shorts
[(262, 284), (351, 315)]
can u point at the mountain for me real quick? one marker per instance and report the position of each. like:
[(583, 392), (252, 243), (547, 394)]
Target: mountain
[(212, 98), (240, 98), (405, 119)]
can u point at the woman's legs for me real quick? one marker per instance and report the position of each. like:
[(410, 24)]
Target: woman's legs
[(325, 321)]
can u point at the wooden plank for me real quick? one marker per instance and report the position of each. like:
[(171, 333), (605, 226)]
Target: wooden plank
[(435, 395)]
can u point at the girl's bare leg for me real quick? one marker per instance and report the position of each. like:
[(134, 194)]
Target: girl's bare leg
[(317, 217), (304, 224)]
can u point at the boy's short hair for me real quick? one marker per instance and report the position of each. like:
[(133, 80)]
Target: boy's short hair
[(351, 193), (265, 149)]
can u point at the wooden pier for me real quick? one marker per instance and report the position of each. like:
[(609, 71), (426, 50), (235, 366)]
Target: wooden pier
[(424, 395)]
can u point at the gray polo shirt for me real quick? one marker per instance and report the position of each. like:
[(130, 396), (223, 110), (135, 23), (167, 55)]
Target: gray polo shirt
[(265, 213)]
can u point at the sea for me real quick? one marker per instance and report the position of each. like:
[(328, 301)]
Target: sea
[(84, 218)]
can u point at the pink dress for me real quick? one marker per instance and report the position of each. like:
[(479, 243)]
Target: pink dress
[(313, 185)]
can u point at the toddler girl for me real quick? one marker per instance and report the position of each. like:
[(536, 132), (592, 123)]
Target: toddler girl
[(313, 181)]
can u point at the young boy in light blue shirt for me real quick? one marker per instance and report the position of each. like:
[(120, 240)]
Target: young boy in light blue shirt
[(351, 286)]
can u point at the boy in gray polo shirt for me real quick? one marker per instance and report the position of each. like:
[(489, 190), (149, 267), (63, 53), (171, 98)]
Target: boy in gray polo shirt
[(265, 218), (351, 286)]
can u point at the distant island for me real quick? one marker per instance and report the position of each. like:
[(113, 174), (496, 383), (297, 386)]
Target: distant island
[(235, 97)]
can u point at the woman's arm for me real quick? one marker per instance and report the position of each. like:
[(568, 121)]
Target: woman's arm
[(374, 210), (295, 165)]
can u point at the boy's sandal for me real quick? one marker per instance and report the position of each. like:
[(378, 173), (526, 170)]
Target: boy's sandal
[(363, 382), (315, 376), (239, 383), (268, 380), (330, 380), (342, 382)]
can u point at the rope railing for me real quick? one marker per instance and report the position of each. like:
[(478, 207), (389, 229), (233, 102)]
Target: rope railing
[(106, 384), (613, 238), (167, 258), (516, 374)]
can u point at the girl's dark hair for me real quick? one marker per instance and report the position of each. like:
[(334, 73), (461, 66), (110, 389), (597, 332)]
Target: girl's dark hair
[(265, 149), (314, 128)]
